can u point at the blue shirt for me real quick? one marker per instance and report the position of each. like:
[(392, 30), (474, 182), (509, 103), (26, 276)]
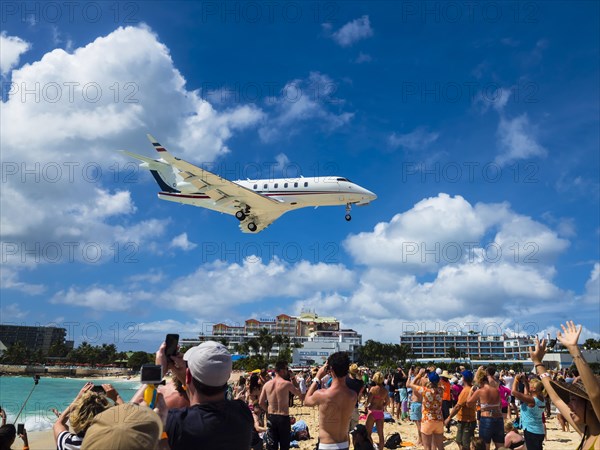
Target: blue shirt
[(531, 417)]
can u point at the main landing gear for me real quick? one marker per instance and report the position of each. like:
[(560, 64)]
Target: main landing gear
[(348, 217), (242, 213)]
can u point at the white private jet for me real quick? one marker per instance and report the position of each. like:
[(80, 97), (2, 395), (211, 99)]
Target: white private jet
[(255, 203)]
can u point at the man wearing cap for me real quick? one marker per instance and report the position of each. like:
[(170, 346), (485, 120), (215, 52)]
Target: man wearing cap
[(335, 403), (466, 414), (211, 421), (276, 392), (356, 384)]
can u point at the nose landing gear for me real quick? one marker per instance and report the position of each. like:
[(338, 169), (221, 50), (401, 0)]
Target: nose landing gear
[(348, 217)]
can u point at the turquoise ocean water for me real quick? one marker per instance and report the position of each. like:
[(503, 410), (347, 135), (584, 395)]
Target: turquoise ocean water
[(49, 393)]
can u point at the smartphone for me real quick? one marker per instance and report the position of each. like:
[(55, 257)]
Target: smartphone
[(20, 428), (98, 389), (172, 341), (151, 374)]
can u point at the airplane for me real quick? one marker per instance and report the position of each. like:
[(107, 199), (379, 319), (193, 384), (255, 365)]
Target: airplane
[(255, 203)]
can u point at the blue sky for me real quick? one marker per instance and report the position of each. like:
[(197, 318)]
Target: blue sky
[(477, 125)]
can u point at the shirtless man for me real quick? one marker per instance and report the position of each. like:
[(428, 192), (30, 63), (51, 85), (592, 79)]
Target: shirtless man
[(336, 403), (276, 393)]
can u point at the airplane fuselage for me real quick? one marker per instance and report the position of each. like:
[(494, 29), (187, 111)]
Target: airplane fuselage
[(294, 193)]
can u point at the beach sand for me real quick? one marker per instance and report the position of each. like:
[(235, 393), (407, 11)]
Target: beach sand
[(557, 439)]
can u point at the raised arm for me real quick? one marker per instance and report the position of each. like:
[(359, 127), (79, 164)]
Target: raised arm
[(414, 383), (537, 355), (523, 397), (312, 395), (568, 338)]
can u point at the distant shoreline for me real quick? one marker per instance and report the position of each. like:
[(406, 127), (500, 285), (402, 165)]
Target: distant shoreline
[(61, 372)]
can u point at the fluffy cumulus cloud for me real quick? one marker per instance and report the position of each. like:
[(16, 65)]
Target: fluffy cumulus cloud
[(250, 282), (303, 100), (12, 48), (353, 32), (58, 182), (444, 230)]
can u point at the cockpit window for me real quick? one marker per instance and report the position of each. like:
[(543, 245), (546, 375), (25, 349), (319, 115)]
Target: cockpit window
[(344, 179)]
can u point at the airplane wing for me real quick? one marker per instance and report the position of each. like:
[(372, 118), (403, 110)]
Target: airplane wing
[(226, 196)]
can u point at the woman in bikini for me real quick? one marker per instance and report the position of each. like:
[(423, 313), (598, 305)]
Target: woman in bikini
[(579, 402), (432, 424), (491, 424), (377, 400)]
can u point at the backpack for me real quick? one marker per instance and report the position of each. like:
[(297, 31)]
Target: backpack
[(393, 441)]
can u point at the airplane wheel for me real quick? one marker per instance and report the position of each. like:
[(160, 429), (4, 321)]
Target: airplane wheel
[(239, 215), (252, 226), (348, 217)]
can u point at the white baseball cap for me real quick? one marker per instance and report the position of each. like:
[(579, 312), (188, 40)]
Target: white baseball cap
[(209, 363), (438, 371)]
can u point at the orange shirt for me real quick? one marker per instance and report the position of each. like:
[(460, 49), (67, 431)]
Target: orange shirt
[(466, 413), (447, 393)]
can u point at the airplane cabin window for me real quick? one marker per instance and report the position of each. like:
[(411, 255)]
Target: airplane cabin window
[(295, 184), (285, 185), (256, 186), (306, 184), (276, 185), (265, 186)]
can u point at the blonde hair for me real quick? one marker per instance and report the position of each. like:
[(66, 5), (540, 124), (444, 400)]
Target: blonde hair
[(508, 426), (378, 378), (86, 408), (538, 386), (481, 377)]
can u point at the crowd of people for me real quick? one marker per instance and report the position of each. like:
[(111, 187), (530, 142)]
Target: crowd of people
[(198, 409)]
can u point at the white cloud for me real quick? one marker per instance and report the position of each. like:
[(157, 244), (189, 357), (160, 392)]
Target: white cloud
[(96, 298), (252, 281), (181, 241), (301, 101), (85, 105), (418, 139), (353, 32), (12, 49), (447, 230), (9, 277), (517, 140), (592, 286)]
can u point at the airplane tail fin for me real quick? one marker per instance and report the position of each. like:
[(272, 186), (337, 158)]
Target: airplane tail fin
[(162, 172)]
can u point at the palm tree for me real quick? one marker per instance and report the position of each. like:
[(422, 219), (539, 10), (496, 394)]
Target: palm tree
[(266, 342), (254, 345)]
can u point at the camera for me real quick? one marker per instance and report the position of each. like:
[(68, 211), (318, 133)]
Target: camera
[(171, 341), (98, 389), (151, 374)]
